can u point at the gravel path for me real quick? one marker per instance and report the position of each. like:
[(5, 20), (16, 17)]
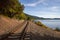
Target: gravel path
[(33, 31)]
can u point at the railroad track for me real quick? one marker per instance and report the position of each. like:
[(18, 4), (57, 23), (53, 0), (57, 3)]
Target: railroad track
[(26, 35), (20, 36)]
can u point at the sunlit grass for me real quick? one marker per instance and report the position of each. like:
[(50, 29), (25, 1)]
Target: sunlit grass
[(40, 24)]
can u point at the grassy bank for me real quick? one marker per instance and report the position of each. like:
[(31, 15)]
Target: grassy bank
[(41, 24), (44, 26)]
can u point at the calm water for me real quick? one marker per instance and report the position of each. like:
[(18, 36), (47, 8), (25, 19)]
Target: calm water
[(51, 23)]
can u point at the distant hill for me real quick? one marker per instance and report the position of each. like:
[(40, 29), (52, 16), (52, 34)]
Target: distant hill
[(41, 18), (51, 19), (25, 16), (57, 18), (34, 17)]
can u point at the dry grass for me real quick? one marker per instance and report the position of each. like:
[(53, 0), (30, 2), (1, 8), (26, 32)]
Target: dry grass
[(7, 24), (41, 33)]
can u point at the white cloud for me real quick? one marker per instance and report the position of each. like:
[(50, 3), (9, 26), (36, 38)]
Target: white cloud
[(35, 3), (54, 8), (56, 1), (46, 14), (49, 16)]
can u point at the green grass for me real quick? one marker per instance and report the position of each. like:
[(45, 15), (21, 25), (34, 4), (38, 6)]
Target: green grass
[(40, 24)]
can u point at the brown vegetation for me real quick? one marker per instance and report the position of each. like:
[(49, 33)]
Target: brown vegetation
[(7, 24), (40, 33)]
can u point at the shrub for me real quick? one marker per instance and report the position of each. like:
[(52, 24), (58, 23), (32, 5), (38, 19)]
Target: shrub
[(57, 29), (40, 24)]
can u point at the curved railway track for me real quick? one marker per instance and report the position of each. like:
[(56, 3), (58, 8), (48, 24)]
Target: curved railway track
[(31, 31), (18, 36)]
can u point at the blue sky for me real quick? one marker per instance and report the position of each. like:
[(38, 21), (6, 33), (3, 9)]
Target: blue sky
[(42, 8)]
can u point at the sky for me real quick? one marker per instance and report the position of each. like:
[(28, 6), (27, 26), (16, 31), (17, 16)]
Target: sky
[(42, 8)]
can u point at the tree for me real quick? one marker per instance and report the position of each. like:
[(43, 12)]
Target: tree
[(57, 29), (21, 16), (10, 7)]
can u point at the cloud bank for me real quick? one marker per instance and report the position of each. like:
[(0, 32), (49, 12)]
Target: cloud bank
[(35, 3)]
